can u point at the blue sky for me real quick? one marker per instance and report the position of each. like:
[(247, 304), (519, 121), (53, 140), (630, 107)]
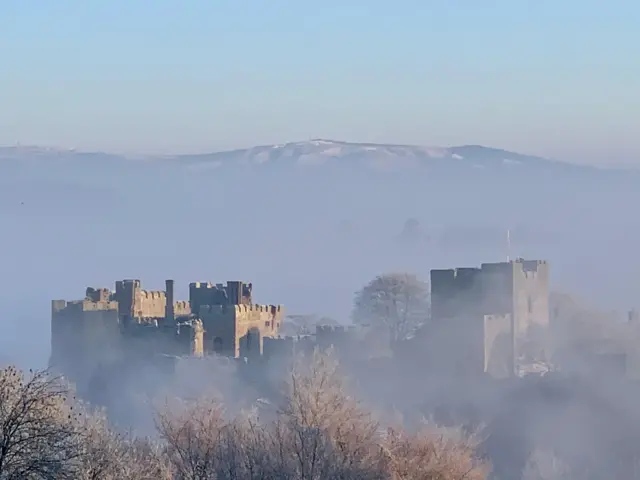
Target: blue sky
[(559, 78)]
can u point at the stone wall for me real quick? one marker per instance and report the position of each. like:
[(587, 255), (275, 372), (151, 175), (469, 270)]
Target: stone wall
[(232, 328), (531, 295), (135, 302), (456, 292), (84, 334), (498, 346), (149, 303)]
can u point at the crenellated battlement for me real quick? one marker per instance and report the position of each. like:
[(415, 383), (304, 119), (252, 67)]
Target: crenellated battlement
[(84, 305), (206, 293), (532, 268), (97, 294), (133, 319), (285, 346), (519, 265), (335, 329), (209, 285), (89, 306), (530, 263), (241, 309), (153, 294), (259, 308), (463, 277), (456, 273), (203, 285), (182, 307)]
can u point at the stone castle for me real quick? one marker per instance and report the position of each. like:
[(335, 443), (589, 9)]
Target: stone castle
[(491, 312), (107, 327), (481, 321)]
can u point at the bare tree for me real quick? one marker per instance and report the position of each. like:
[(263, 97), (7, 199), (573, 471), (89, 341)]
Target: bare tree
[(111, 455), (319, 431), (192, 431), (39, 438), (322, 432), (202, 444), (46, 434), (433, 453), (245, 451), (545, 465), (398, 302), (328, 434), (101, 449), (144, 460)]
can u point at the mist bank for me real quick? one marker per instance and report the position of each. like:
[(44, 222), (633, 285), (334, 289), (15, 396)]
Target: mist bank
[(307, 237)]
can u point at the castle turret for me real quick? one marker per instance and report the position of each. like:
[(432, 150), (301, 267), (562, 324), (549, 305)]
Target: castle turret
[(170, 313), (234, 292)]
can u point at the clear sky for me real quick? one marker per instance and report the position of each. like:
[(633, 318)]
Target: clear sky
[(553, 77)]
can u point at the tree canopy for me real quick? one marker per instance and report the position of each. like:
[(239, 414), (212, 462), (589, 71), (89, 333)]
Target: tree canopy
[(398, 302)]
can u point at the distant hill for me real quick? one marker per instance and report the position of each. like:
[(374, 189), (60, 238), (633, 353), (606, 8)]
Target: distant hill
[(321, 152), (315, 153)]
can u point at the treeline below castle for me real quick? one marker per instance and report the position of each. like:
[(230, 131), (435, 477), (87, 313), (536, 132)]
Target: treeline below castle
[(316, 430), (314, 427)]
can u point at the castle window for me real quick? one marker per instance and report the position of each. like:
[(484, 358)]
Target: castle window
[(529, 304), (267, 324)]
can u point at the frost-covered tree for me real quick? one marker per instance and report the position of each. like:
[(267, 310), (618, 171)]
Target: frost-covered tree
[(397, 302), (38, 430)]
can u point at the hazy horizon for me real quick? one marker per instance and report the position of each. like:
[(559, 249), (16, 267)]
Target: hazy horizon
[(612, 164), (547, 79)]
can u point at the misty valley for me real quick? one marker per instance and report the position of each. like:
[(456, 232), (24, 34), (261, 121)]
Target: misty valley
[(317, 310)]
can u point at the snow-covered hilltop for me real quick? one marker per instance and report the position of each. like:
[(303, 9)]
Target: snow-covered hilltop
[(322, 151), (308, 154)]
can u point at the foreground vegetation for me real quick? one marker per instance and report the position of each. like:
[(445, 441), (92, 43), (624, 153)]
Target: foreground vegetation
[(316, 431)]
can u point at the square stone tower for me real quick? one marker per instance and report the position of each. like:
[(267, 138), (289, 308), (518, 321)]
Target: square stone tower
[(233, 325), (471, 297), (520, 288)]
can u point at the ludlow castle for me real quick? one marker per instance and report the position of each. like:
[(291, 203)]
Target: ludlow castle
[(128, 324), (481, 315)]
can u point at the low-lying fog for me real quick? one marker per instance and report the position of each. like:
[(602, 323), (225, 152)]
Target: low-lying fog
[(310, 238), (306, 238)]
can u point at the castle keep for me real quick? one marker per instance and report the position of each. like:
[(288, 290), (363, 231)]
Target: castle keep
[(491, 311), (107, 326)]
